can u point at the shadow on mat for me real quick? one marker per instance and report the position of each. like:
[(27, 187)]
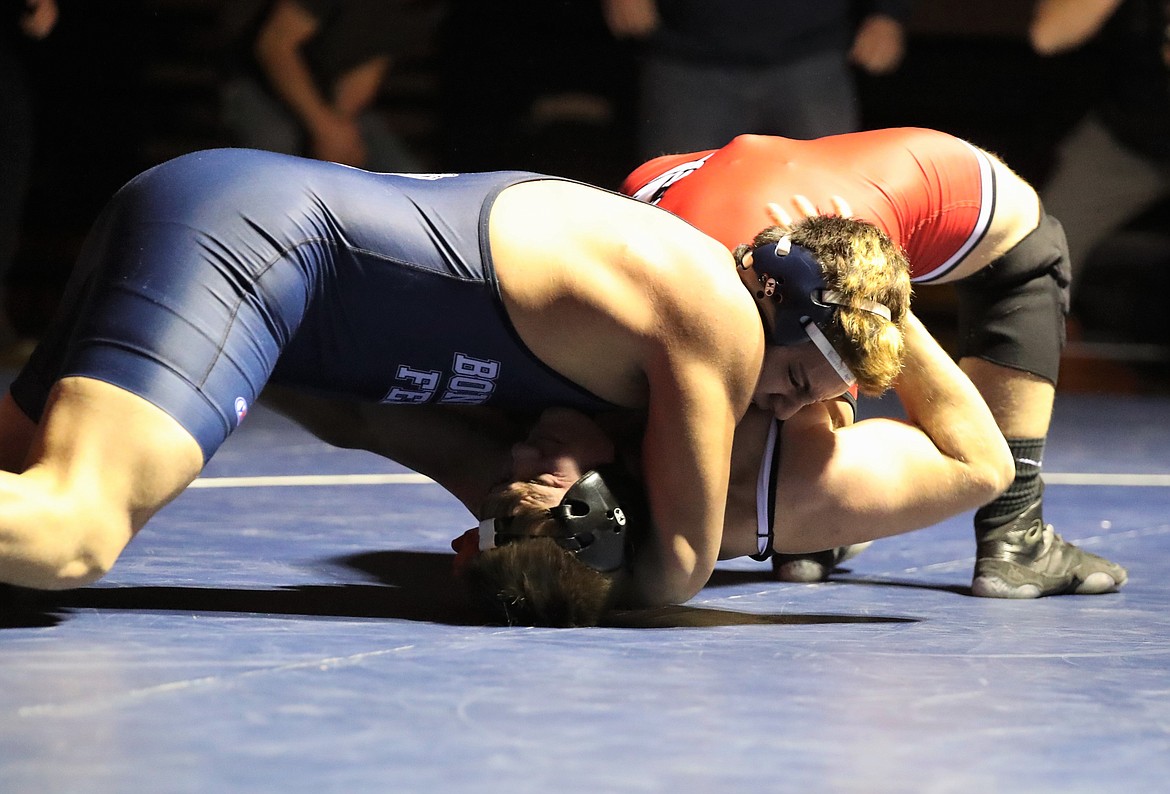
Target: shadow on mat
[(416, 586), (387, 567), (722, 578), (410, 586), (683, 617)]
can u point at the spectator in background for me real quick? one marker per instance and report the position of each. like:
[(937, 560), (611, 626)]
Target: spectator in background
[(308, 74), (1115, 162), (30, 21), (548, 90), (714, 70)]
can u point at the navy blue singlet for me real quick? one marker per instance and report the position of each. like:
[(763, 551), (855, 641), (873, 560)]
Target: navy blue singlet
[(211, 274)]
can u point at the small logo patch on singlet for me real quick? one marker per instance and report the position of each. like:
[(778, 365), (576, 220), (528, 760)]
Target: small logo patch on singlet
[(241, 409)]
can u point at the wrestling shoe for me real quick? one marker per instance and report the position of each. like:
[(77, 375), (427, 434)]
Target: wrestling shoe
[(1025, 558), (815, 567)]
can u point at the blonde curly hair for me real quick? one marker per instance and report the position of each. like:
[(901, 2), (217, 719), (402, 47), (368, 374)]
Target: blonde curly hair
[(859, 261)]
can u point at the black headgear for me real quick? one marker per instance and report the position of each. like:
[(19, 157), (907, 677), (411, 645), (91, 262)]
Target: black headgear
[(791, 276), (595, 526)]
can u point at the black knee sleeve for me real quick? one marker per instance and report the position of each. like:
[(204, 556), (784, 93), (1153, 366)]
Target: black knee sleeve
[(1012, 312)]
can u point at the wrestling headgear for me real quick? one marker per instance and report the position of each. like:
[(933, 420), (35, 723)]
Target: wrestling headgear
[(793, 279), (594, 525)]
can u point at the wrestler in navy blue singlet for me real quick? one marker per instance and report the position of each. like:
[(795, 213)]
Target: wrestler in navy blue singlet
[(213, 273)]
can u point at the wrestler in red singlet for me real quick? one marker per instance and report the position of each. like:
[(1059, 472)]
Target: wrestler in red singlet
[(932, 193)]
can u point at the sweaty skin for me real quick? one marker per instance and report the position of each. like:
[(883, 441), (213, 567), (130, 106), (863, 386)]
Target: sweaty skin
[(608, 297), (927, 190)]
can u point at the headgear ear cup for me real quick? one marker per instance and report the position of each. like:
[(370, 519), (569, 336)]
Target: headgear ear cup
[(791, 276), (793, 279), (595, 526)]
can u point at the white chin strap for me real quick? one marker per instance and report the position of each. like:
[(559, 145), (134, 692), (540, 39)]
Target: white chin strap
[(865, 304), (831, 355), (487, 534), (764, 493)]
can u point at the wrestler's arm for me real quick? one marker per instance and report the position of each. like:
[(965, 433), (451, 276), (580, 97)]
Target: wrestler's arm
[(686, 451), (881, 477), (701, 378), (642, 309), (465, 449)]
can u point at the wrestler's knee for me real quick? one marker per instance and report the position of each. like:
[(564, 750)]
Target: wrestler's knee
[(56, 542), (1012, 313), (91, 555)]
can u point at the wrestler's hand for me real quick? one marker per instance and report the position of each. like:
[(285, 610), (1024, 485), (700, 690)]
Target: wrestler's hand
[(804, 208)]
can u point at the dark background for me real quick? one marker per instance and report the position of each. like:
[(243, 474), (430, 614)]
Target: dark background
[(535, 84)]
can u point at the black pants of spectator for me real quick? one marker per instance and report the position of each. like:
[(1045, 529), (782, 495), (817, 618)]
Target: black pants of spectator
[(16, 143)]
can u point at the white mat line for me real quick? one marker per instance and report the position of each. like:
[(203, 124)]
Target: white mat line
[(1139, 480), (105, 703), (1052, 478), (311, 479)]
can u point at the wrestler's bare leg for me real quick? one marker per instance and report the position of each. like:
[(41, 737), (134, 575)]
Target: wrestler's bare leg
[(1020, 401), (1025, 558), (100, 464)]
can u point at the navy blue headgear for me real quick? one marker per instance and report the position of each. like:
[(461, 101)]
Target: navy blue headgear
[(594, 524), (795, 283)]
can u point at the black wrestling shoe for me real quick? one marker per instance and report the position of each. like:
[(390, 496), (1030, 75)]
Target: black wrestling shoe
[(1025, 558), (814, 567)]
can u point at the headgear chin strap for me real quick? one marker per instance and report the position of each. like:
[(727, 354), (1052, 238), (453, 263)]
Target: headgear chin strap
[(594, 526)]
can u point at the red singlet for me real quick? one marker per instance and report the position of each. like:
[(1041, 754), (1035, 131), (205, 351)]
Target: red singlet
[(931, 192)]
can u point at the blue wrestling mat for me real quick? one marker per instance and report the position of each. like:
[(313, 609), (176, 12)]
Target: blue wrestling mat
[(290, 627)]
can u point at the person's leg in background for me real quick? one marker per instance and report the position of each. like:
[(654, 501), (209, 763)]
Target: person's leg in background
[(1096, 186), (687, 107), (257, 120), (809, 98)]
